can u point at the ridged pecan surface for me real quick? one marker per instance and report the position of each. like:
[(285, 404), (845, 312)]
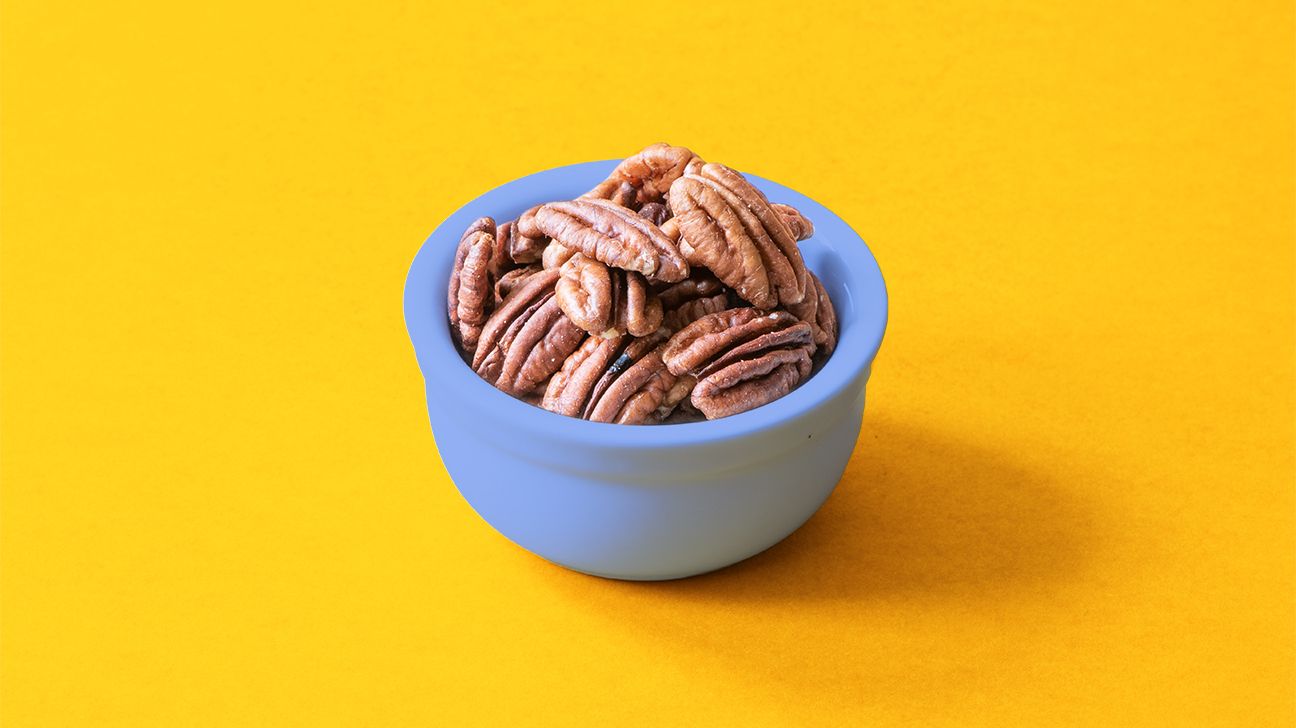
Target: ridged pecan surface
[(742, 358), (605, 301), (527, 338), (645, 176), (728, 226), (613, 235)]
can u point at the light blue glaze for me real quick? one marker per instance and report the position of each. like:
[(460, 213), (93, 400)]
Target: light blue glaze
[(646, 502)]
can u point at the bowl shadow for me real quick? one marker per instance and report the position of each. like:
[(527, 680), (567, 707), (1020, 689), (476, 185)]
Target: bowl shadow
[(917, 514)]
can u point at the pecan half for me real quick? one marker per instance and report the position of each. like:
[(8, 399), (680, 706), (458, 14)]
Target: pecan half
[(691, 299), (555, 254), (742, 358), (655, 212), (648, 174), (621, 380), (513, 279), (817, 310), (605, 301), (614, 235), (690, 311), (799, 224), (527, 338), (469, 300), (527, 243), (727, 225)]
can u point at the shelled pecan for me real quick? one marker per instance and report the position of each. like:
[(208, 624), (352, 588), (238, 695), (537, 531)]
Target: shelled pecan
[(691, 299), (799, 224), (613, 235), (655, 212), (817, 310), (742, 358), (527, 338), (621, 380), (647, 174), (513, 279), (673, 291), (526, 243), (728, 226), (470, 300), (555, 254), (605, 301)]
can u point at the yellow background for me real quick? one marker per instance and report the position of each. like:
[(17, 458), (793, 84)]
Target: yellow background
[(1072, 502)]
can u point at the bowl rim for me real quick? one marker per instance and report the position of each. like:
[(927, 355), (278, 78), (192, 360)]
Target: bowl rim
[(425, 308)]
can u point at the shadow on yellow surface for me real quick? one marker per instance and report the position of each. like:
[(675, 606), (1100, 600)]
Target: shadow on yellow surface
[(916, 513)]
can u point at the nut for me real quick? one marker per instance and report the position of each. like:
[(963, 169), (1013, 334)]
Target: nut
[(555, 254), (613, 235), (512, 280), (527, 338), (655, 212), (470, 300), (605, 301), (526, 244), (817, 310), (644, 177), (691, 299), (799, 224), (728, 226), (621, 380), (689, 311), (672, 292), (742, 358)]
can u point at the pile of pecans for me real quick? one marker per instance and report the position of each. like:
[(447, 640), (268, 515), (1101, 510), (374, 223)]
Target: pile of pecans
[(671, 292)]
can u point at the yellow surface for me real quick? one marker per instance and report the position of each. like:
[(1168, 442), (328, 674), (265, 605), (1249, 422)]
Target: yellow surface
[(1072, 502)]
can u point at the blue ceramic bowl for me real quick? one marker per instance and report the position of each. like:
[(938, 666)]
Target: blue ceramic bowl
[(646, 502)]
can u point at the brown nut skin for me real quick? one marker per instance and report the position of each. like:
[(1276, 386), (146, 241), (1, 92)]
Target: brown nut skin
[(749, 383), (799, 224), (621, 380), (699, 284), (690, 299), (555, 254), (655, 212), (689, 311), (607, 302), (511, 280), (728, 226), (613, 235), (527, 339), (470, 294), (526, 243), (646, 176), (742, 358), (817, 310)]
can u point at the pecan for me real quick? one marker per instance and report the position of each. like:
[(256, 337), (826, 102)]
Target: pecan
[(799, 224), (500, 262), (690, 311), (699, 284), (527, 338), (817, 310), (527, 243), (655, 212), (742, 358), (647, 174), (727, 225), (613, 235), (605, 301), (512, 280), (621, 380), (555, 254), (469, 300), (692, 298)]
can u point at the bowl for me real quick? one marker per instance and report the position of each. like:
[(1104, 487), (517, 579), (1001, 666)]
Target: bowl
[(654, 501)]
